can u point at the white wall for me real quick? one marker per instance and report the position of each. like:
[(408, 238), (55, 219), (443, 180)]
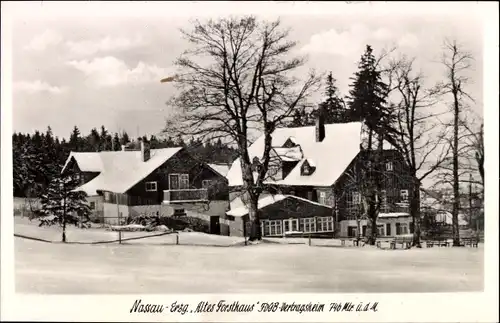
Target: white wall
[(344, 224), (111, 212), (235, 227)]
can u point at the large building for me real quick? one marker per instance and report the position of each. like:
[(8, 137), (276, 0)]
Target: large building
[(317, 164), (127, 183)]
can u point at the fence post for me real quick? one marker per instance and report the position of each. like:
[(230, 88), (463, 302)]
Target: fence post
[(309, 239), (177, 239)]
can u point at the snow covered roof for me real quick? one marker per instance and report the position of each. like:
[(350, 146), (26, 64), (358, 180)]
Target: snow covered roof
[(120, 170), (287, 154), (239, 209), (220, 168), (331, 156)]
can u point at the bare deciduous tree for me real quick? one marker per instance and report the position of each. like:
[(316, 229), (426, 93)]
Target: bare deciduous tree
[(456, 62), (234, 82), (418, 137)]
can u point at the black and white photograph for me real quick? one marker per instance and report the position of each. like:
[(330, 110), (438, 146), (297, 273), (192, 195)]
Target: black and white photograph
[(248, 152)]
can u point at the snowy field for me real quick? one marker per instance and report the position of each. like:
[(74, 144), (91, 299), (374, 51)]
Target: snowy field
[(138, 267)]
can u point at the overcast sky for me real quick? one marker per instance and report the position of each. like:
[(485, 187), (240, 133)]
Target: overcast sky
[(71, 68)]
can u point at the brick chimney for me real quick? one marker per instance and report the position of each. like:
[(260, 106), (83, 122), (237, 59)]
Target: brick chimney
[(320, 124), (145, 151)]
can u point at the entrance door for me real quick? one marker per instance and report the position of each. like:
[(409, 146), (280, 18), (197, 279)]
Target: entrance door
[(173, 180), (214, 225)]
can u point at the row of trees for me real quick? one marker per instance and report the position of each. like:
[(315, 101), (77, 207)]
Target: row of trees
[(38, 158), (237, 80)]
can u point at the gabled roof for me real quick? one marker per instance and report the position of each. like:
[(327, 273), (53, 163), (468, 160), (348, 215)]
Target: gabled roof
[(331, 156), (119, 170), (87, 162)]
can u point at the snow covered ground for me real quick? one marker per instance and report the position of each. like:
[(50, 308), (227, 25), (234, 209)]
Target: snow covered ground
[(268, 268)]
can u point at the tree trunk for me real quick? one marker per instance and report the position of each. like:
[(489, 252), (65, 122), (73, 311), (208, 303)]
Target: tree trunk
[(415, 214), (456, 188), (64, 220), (372, 224), (253, 212), (358, 229)]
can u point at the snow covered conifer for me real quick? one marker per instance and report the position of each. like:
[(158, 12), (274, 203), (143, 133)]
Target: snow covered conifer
[(61, 205)]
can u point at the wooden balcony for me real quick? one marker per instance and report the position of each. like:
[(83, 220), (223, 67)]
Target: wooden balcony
[(185, 196)]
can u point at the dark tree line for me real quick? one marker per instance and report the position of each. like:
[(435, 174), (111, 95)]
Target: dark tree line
[(39, 157)]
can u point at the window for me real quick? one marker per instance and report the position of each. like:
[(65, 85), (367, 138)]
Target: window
[(401, 228), (322, 198), (325, 224), (107, 196), (291, 225), (151, 187), (184, 181), (178, 181), (384, 200), (388, 229), (388, 166), (307, 168), (404, 195), (173, 181), (206, 183), (272, 228), (353, 199), (92, 205), (308, 225), (380, 230)]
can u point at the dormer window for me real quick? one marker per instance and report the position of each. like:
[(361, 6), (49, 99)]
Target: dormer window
[(307, 168), (256, 164), (290, 143)]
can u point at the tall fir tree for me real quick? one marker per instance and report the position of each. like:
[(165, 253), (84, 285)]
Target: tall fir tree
[(367, 101)]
